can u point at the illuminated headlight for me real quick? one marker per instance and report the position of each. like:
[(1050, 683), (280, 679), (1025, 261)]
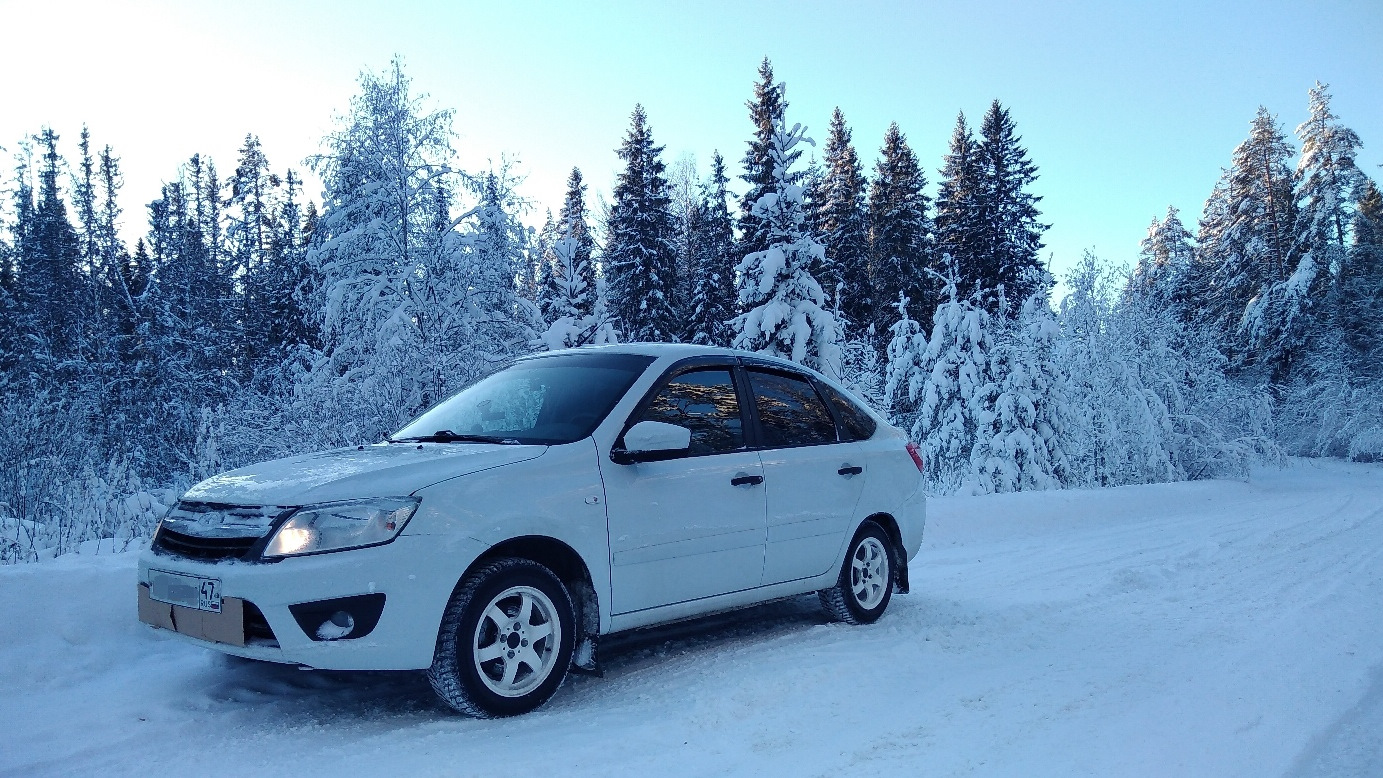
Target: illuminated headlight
[(336, 526)]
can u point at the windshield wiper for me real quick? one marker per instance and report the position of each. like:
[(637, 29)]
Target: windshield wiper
[(447, 436)]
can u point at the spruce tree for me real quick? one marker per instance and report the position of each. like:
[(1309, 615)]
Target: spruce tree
[(785, 308), (49, 258), (1245, 242), (960, 211), (1012, 237), (1327, 181), (546, 288), (766, 111), (1361, 287), (1165, 258), (578, 292), (899, 231), (841, 222), (712, 304), (640, 253)]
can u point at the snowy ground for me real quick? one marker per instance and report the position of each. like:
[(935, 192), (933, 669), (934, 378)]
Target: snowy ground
[(1213, 628)]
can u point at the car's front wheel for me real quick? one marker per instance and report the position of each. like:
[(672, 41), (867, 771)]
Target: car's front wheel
[(865, 584), (506, 640)]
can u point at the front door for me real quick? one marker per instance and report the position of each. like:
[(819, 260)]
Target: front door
[(690, 527)]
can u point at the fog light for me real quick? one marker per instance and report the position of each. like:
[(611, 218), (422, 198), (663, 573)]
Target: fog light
[(338, 626)]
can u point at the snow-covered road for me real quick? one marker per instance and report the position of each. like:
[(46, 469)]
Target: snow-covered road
[(1210, 628)]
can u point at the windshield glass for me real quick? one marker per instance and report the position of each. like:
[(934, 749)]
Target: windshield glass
[(542, 400)]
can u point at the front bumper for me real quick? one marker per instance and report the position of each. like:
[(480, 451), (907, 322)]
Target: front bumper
[(415, 574)]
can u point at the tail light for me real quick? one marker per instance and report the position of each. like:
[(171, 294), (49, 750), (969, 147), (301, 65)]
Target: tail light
[(916, 457)]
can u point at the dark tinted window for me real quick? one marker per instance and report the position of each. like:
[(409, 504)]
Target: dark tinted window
[(858, 425), (790, 411), (704, 402)]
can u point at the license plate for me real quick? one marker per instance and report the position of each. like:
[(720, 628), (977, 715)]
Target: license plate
[(189, 591)]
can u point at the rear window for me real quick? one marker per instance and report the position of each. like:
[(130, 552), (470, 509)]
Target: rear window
[(855, 421)]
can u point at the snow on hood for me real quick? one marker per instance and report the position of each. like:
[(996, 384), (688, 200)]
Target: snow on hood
[(381, 470)]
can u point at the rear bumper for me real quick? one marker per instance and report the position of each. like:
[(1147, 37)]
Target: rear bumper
[(416, 575)]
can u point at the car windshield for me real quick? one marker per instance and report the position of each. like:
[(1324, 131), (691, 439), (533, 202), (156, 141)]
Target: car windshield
[(542, 400)]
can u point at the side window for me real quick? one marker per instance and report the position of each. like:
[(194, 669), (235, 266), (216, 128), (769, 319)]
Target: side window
[(703, 401), (858, 424), (790, 411)]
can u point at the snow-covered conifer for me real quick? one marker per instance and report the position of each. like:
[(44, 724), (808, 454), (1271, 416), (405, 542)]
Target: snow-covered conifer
[(785, 308), (1021, 440), (842, 225), (960, 212), (899, 230), (766, 111), (955, 391), (1165, 258), (713, 295), (640, 253), (1008, 257)]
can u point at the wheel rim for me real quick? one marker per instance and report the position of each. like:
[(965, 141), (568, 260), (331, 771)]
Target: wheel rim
[(869, 573), (515, 643)]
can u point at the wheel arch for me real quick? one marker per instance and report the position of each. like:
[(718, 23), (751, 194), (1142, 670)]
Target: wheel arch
[(900, 557), (564, 561)]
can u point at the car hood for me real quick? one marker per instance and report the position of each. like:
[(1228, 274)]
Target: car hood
[(381, 470)]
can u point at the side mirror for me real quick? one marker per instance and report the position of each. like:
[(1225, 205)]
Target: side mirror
[(650, 440)]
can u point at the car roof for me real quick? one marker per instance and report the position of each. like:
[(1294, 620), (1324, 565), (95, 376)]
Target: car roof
[(672, 350), (677, 351)]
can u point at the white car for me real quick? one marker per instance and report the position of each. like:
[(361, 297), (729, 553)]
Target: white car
[(571, 495)]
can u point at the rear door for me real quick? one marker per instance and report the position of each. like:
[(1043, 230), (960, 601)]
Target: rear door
[(693, 526), (812, 480)]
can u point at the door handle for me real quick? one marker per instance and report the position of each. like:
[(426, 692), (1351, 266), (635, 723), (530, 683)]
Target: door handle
[(746, 480), (849, 470)]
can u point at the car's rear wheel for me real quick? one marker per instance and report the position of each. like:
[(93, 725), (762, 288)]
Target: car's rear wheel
[(865, 585), (506, 640)]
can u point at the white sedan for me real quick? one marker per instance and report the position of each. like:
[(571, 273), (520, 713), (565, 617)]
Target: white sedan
[(573, 494)]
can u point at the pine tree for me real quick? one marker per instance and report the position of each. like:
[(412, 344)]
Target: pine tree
[(904, 374), (1245, 240), (960, 211), (947, 377), (640, 254), (49, 257), (1165, 258), (841, 222), (785, 308), (546, 288), (578, 292), (498, 322), (1020, 443), (766, 111), (1361, 287), (1012, 237), (253, 238), (713, 294), (899, 230), (1327, 181)]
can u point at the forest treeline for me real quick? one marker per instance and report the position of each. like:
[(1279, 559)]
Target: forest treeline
[(251, 321)]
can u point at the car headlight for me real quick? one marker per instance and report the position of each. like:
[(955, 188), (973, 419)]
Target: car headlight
[(336, 526)]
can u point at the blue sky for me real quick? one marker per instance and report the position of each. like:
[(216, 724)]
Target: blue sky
[(1125, 107)]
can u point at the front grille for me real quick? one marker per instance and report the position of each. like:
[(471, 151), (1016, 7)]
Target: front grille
[(212, 532), (206, 549)]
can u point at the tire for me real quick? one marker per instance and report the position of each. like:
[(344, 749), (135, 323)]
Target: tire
[(506, 640), (865, 585)]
